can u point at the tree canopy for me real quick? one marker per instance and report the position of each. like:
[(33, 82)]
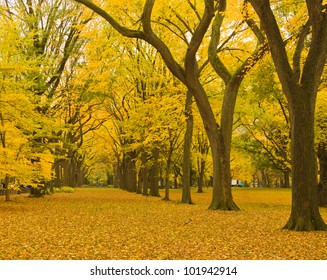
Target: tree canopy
[(160, 94)]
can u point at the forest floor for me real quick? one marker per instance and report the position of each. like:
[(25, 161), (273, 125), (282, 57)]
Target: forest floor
[(103, 223)]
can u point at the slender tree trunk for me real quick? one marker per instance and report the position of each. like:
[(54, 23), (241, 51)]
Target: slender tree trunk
[(144, 174), (139, 181), (7, 188), (167, 187), (117, 174), (322, 187), (264, 179), (202, 166), (286, 183), (186, 178), (305, 214)]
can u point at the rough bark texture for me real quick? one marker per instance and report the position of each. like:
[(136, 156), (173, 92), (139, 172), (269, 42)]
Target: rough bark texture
[(305, 214), (186, 176), (300, 91), (202, 166), (322, 186), (154, 174)]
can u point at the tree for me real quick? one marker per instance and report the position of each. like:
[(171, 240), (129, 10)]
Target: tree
[(52, 43), (263, 123), (186, 176), (189, 76), (20, 161), (232, 81), (300, 81)]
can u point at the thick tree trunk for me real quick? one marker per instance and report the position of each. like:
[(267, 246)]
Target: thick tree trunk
[(305, 214), (186, 178), (130, 172), (322, 186), (225, 201), (57, 182), (154, 174), (300, 86), (222, 196)]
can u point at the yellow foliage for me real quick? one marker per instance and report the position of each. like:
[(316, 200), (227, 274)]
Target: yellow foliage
[(113, 224)]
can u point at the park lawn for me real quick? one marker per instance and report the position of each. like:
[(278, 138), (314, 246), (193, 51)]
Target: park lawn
[(103, 223)]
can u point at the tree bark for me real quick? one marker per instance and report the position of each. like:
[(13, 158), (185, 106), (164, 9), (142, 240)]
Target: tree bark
[(7, 188), (130, 172), (202, 166), (286, 183), (186, 178), (322, 186), (167, 186), (154, 174), (300, 85), (305, 214)]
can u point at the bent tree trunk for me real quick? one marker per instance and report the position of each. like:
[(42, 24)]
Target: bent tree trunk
[(189, 76), (222, 195), (305, 214)]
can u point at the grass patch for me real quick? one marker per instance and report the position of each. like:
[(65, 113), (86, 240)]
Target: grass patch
[(103, 223)]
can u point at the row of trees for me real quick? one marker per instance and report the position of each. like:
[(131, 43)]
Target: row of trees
[(299, 78), (97, 100)]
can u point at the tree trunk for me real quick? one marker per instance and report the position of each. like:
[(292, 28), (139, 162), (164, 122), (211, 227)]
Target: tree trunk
[(7, 188), (57, 181), (305, 214), (167, 187), (202, 166), (286, 183), (186, 178), (223, 143), (264, 179), (154, 174), (130, 172), (322, 187), (143, 178)]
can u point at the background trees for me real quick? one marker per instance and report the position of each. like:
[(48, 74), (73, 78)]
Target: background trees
[(95, 106), (21, 160)]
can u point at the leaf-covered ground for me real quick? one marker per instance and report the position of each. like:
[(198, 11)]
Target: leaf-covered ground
[(113, 224)]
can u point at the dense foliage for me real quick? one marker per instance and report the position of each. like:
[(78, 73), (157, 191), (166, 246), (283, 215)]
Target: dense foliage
[(159, 94)]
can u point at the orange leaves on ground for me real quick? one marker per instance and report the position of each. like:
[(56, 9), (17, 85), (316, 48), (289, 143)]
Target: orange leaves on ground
[(113, 224)]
